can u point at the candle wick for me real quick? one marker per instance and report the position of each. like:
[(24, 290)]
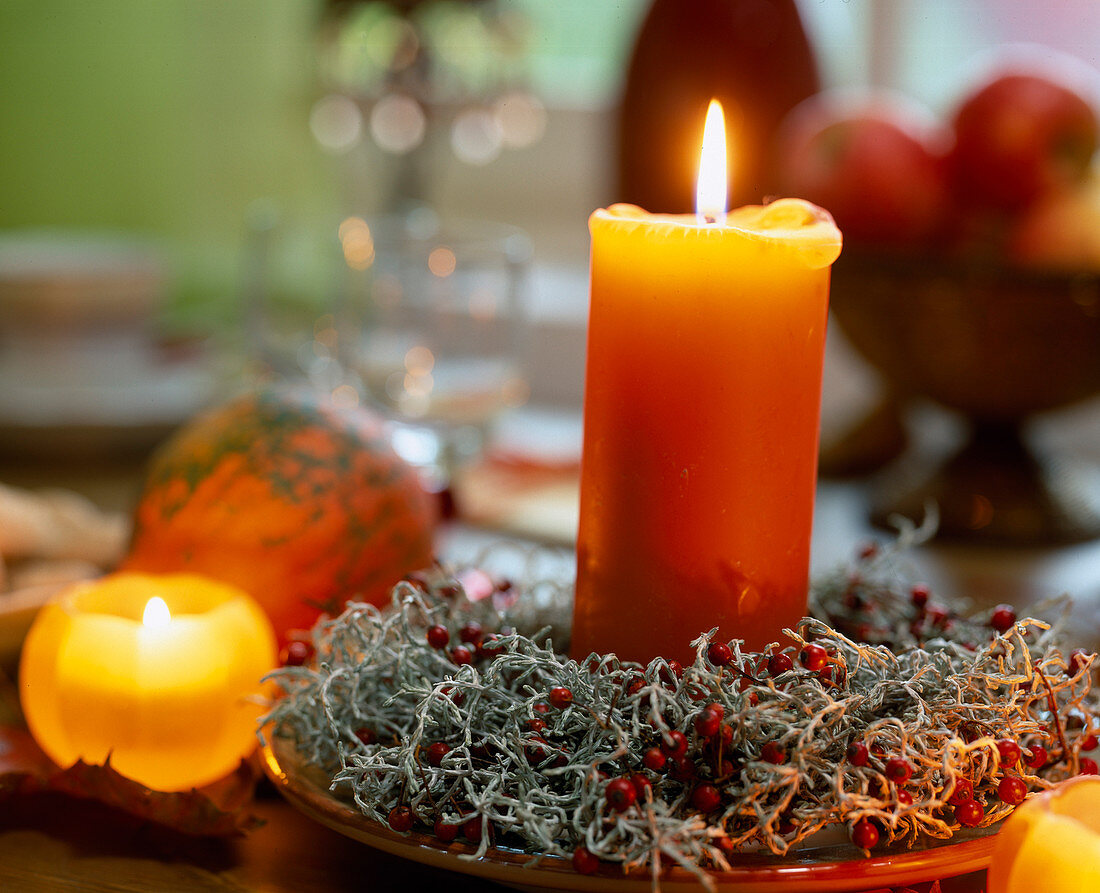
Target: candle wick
[(709, 218)]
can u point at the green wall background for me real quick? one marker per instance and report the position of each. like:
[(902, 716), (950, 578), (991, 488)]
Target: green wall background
[(165, 118)]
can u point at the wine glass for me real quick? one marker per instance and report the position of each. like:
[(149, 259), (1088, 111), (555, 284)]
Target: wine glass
[(434, 328)]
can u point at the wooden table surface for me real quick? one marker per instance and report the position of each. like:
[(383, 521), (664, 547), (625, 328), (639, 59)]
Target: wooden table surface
[(53, 843)]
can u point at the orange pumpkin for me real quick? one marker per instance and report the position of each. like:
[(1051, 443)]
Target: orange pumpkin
[(300, 502)]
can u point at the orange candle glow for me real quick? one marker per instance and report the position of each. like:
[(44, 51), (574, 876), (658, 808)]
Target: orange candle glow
[(159, 673), (702, 400)]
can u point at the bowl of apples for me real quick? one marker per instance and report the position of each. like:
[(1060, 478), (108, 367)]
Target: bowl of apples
[(971, 276)]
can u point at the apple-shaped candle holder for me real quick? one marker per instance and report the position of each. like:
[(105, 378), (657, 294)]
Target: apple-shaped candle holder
[(998, 346)]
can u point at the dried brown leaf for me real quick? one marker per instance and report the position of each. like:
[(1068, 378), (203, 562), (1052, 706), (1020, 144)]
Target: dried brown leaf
[(216, 810)]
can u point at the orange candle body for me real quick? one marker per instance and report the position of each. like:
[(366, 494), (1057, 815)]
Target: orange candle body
[(701, 420)]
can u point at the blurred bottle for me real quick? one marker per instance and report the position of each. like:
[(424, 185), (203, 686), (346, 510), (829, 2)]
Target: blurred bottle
[(752, 55)]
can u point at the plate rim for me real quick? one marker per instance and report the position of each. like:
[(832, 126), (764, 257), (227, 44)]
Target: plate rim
[(512, 868)]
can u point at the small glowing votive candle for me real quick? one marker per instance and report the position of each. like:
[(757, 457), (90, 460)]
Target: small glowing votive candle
[(160, 674), (1051, 842)]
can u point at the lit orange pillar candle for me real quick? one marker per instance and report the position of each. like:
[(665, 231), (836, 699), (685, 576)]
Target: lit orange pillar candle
[(702, 401)]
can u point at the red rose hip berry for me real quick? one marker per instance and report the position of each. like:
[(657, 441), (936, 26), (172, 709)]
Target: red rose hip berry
[(672, 674), (560, 697), (1009, 751), (898, 770), (438, 636), (674, 742), (295, 653), (584, 862), (437, 752), (962, 792), (780, 663), (1003, 618), (620, 794), (919, 595), (709, 720), (813, 657), (400, 818), (939, 615), (773, 753), (706, 798), (471, 632), (970, 813), (864, 834), (444, 831), (682, 767), (1035, 757), (1012, 790), (1078, 658), (720, 654), (489, 647)]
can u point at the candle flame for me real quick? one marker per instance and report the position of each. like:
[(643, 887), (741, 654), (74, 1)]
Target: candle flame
[(712, 186), (156, 613)]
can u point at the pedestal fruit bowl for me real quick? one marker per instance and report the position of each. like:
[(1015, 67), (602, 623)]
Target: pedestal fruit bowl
[(999, 346), (971, 275)]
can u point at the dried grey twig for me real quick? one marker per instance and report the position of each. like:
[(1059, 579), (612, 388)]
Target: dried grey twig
[(436, 713)]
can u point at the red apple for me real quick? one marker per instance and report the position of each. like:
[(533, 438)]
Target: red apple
[(873, 160), (1026, 131), (1061, 231)]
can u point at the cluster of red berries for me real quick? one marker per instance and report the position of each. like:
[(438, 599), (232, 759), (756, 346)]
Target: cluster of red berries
[(670, 754), (473, 827), (824, 663), (871, 612), (713, 761), (968, 809), (537, 749), (474, 644)]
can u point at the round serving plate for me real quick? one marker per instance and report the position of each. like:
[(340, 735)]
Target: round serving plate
[(812, 868)]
